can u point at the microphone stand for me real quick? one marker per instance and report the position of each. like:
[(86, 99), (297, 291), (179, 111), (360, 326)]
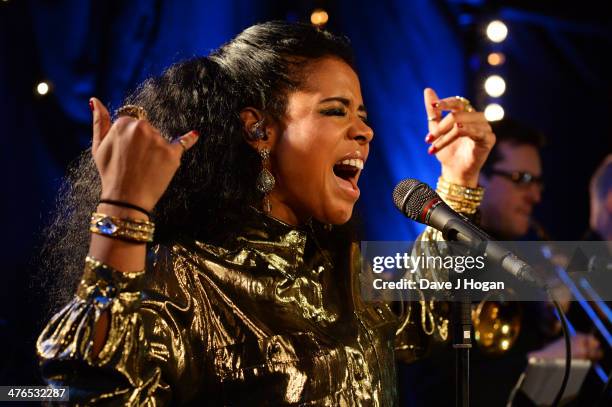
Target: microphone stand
[(461, 315), (462, 343)]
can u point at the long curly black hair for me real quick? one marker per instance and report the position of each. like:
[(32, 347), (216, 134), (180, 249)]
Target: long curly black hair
[(258, 68)]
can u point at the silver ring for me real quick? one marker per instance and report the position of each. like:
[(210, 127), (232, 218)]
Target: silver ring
[(183, 144)]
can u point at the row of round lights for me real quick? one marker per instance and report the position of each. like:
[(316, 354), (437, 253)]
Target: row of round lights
[(495, 85)]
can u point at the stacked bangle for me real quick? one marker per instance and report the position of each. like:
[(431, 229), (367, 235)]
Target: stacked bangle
[(462, 199), (132, 230)]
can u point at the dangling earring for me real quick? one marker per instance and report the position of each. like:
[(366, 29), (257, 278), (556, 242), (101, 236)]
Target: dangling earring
[(265, 179)]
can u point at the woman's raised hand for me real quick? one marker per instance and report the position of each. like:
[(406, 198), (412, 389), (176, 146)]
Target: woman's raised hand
[(461, 140), (135, 163)]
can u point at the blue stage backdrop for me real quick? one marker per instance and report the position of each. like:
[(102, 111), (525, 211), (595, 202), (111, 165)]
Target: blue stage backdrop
[(106, 48), (89, 48), (404, 47), (558, 81)]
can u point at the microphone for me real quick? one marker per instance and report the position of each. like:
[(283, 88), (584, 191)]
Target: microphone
[(422, 204)]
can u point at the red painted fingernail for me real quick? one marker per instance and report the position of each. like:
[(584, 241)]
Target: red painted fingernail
[(432, 150), (435, 105), (195, 133), (460, 125), (91, 104), (428, 138)]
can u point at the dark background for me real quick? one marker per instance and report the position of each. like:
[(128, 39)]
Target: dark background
[(557, 72)]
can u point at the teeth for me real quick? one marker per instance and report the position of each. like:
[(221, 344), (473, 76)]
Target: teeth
[(357, 163)]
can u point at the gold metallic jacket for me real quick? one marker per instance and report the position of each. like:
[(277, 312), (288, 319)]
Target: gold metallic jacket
[(267, 317)]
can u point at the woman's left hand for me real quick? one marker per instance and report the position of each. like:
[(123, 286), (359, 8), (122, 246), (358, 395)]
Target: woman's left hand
[(461, 140)]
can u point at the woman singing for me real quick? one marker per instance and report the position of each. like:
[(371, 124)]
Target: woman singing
[(221, 268)]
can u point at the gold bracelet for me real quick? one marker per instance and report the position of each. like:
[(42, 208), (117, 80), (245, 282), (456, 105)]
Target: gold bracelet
[(459, 196), (462, 206), (462, 199), (459, 191), (132, 230)]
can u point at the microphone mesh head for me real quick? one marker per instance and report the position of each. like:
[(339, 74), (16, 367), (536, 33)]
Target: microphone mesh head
[(410, 196)]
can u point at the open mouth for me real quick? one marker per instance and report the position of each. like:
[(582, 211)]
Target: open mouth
[(347, 173)]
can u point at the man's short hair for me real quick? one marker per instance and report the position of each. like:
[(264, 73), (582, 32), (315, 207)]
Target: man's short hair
[(512, 132)]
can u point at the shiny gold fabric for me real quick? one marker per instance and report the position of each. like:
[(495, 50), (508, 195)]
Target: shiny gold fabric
[(267, 316)]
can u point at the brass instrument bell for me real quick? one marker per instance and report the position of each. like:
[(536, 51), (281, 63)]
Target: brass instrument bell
[(497, 324)]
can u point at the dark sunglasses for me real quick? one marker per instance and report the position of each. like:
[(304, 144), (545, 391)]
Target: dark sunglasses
[(519, 177)]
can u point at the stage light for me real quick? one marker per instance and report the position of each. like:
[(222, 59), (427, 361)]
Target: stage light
[(42, 88), (495, 86), (497, 31), (319, 17), (494, 112), (496, 58)]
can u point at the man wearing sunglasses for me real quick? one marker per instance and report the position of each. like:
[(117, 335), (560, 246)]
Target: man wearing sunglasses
[(512, 177)]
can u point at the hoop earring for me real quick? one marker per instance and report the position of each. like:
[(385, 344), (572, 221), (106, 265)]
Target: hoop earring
[(265, 179)]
